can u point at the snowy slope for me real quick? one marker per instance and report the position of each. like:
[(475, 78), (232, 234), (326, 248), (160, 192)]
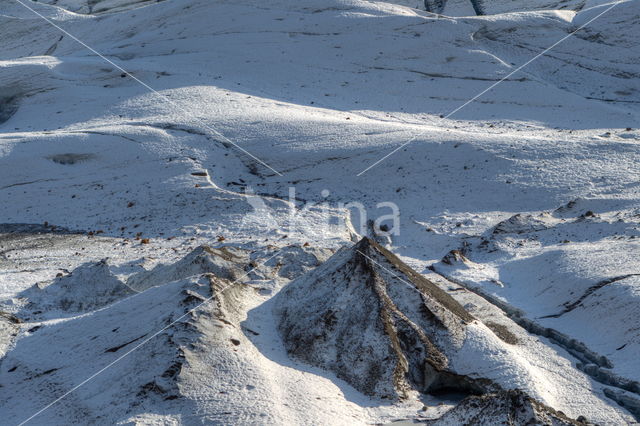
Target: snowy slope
[(313, 93), (220, 354)]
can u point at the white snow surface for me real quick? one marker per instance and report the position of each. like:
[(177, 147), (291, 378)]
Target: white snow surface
[(319, 91)]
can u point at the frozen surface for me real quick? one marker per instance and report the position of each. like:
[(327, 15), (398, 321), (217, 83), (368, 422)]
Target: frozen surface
[(534, 183)]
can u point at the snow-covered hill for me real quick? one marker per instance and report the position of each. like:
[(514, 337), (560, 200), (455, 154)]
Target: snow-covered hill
[(150, 148)]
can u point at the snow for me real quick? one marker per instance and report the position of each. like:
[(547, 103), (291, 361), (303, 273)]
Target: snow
[(319, 91)]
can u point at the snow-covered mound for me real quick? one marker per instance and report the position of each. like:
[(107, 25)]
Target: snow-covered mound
[(52, 358), (292, 261), (88, 288), (384, 334), (232, 263), (223, 262)]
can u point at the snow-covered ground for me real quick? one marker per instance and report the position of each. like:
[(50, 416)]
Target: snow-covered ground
[(250, 125)]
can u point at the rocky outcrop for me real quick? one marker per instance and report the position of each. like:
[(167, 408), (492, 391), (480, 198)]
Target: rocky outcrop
[(512, 407), (376, 323), (521, 223)]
